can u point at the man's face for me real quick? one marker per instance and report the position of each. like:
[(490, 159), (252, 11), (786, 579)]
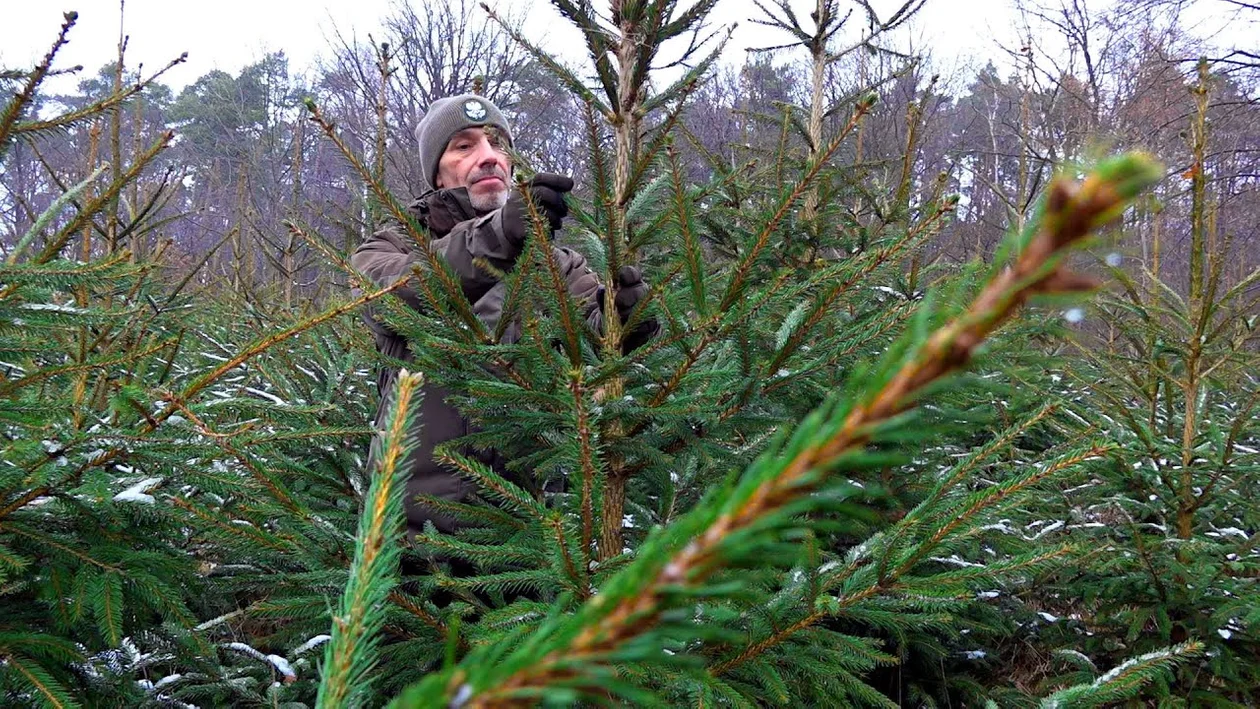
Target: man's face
[(477, 158)]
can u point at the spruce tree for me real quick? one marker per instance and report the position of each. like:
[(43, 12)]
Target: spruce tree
[(1168, 372), (166, 464), (795, 495), (681, 539), (87, 572)]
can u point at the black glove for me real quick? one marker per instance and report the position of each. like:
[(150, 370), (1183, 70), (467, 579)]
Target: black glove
[(629, 290), (547, 191)]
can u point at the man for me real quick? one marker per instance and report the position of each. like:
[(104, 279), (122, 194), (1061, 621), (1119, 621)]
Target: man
[(472, 211)]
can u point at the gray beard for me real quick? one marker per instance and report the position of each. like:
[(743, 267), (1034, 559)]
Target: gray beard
[(489, 202)]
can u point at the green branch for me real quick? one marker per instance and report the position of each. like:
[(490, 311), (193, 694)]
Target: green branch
[(351, 653)]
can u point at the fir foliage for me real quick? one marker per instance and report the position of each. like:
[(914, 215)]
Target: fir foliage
[(832, 479), (166, 466), (575, 593), (1171, 379), (351, 652)]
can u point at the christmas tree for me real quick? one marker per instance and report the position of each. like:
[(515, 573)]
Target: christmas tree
[(841, 473), (681, 537)]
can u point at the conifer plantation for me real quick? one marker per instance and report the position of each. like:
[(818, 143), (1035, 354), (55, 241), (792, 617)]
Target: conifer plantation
[(955, 399)]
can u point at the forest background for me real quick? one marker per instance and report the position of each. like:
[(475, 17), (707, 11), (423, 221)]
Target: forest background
[(1046, 49), (176, 282)]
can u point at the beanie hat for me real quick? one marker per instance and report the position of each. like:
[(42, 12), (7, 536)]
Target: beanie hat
[(448, 116)]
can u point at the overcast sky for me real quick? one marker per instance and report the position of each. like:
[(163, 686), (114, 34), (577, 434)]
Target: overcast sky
[(229, 34)]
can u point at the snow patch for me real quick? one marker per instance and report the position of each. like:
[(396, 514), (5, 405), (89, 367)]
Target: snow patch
[(956, 561), (136, 493), (1233, 532), (1050, 528), (1121, 668), (282, 666), (53, 307), (975, 654), (267, 395)]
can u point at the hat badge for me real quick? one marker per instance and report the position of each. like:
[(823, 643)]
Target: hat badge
[(474, 110)]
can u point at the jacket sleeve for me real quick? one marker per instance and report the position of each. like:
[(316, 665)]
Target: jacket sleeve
[(477, 238), (582, 282), (582, 285), (386, 258), (389, 254)]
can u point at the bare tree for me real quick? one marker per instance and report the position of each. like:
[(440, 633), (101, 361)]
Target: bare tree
[(828, 22), (437, 49)]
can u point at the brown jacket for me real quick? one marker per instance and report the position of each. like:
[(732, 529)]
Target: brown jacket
[(460, 236)]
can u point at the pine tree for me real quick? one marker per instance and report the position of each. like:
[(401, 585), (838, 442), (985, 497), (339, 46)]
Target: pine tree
[(83, 566), (1169, 373), (638, 562), (164, 462), (794, 495)]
